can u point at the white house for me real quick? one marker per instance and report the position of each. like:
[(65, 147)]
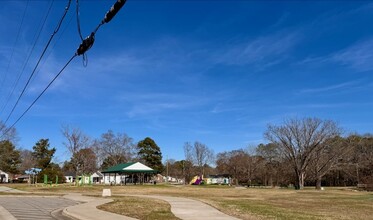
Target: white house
[(4, 177), (70, 177), (97, 178)]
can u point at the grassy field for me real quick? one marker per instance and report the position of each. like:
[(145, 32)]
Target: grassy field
[(244, 203), (151, 209)]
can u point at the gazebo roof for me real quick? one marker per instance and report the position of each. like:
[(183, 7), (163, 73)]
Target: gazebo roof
[(136, 167)]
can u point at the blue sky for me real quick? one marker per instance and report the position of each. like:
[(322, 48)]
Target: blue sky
[(211, 71)]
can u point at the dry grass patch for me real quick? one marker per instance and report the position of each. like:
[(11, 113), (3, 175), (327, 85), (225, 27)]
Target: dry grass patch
[(252, 203), (275, 204), (140, 208)]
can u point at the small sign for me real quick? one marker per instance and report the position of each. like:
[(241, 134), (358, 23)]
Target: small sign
[(106, 192)]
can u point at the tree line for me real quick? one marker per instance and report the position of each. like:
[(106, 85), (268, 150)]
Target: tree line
[(298, 152), (87, 155)]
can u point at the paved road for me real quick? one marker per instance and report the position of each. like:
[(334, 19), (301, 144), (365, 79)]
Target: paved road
[(27, 208)]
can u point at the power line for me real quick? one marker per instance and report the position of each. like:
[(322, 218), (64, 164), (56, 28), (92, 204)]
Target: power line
[(41, 56), (14, 46), (78, 19), (88, 41), (82, 49), (85, 57), (45, 89), (28, 57)]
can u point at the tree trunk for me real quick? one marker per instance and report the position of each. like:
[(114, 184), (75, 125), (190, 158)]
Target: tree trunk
[(301, 185), (300, 180), (270, 181), (318, 182)]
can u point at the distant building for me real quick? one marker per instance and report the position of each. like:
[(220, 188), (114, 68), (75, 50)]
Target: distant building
[(170, 179), (220, 179), (4, 177), (97, 178), (70, 177), (21, 178)]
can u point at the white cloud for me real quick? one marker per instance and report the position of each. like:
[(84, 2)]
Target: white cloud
[(151, 104), (358, 56), (224, 108), (270, 49), (330, 87)]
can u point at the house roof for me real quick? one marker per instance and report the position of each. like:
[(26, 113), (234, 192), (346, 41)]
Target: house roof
[(69, 173), (136, 167), (97, 174), (219, 176)]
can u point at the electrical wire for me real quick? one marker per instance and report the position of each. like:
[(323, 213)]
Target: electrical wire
[(28, 58), (84, 46), (87, 43), (85, 56), (37, 98), (78, 19), (41, 56), (14, 46)]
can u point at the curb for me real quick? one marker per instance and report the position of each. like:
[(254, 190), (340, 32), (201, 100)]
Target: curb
[(5, 214), (88, 210)]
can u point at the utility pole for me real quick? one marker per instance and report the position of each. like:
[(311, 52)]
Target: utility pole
[(167, 170)]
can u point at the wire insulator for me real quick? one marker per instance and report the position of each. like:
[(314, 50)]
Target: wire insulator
[(114, 10), (86, 44)]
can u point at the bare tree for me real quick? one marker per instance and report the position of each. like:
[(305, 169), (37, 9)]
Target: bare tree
[(234, 164), (365, 150), (85, 161), (188, 148), (9, 134), (27, 160), (299, 139), (118, 148), (187, 164), (271, 156), (199, 154), (239, 164), (76, 141), (359, 163), (203, 155), (326, 157)]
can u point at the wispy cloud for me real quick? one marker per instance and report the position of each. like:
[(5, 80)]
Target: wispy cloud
[(150, 104), (319, 105), (358, 56), (330, 87), (269, 49), (224, 108)]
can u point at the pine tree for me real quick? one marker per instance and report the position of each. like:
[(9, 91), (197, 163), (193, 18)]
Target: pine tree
[(150, 154)]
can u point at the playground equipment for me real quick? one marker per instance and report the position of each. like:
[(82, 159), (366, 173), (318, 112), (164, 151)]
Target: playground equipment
[(46, 182), (33, 172), (197, 180), (211, 179)]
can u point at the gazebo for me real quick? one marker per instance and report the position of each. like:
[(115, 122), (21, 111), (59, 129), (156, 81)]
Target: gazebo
[(127, 173)]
